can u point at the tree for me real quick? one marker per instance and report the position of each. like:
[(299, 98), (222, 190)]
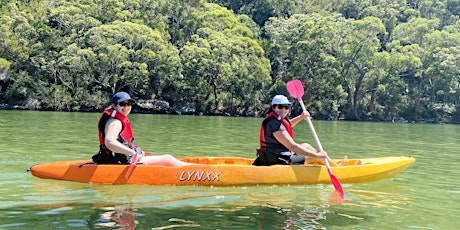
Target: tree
[(135, 56), (20, 33), (326, 53), (356, 48), (300, 49), (226, 66)]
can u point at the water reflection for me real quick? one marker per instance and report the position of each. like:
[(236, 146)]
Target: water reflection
[(119, 217), (165, 207)]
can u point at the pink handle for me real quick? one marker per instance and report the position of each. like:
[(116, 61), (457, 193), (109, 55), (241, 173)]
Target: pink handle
[(131, 165)]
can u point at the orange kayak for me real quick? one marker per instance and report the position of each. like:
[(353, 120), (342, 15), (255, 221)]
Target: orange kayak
[(222, 171)]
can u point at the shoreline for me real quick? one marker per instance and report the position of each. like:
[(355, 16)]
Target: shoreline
[(140, 110)]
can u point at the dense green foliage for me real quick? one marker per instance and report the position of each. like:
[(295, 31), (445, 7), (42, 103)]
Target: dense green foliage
[(383, 60)]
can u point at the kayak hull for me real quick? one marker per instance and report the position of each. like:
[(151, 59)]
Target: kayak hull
[(221, 171)]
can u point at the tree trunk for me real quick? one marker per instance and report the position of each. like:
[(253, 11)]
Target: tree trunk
[(358, 85)]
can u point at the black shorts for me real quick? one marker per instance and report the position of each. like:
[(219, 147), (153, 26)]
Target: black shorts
[(265, 158), (102, 158)]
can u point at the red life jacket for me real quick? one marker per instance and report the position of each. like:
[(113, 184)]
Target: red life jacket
[(283, 121), (125, 136)]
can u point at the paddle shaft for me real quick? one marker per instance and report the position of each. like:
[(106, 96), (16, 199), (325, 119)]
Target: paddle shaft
[(334, 180), (310, 124), (131, 165), (313, 132), (295, 89)]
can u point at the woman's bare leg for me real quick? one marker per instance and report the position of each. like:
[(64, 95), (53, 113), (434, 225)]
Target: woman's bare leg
[(166, 160), (312, 160)]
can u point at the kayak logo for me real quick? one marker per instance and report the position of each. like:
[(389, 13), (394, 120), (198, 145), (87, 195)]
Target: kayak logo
[(199, 176)]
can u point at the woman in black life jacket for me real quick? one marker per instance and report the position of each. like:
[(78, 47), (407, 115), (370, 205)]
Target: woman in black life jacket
[(277, 145), (117, 144)]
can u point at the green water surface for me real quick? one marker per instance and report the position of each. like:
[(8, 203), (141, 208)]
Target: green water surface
[(425, 196)]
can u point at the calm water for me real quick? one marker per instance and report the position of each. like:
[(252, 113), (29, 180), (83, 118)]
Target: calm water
[(425, 196)]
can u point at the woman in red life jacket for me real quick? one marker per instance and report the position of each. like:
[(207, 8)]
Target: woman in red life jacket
[(277, 145), (117, 144)]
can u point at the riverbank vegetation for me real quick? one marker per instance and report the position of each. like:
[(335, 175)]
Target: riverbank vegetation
[(358, 59)]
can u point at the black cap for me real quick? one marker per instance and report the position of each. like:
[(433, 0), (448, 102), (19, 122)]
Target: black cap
[(121, 96)]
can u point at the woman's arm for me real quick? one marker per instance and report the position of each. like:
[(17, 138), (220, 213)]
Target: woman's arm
[(112, 129), (285, 139), (303, 116)]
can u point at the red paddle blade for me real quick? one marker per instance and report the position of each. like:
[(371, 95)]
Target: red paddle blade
[(335, 181), (295, 89), (337, 186)]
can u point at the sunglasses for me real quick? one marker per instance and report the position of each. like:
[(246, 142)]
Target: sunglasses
[(283, 107), (125, 103)]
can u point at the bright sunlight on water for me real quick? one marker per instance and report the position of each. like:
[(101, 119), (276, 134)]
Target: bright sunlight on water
[(424, 196)]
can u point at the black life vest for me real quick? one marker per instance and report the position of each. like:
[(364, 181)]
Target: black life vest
[(273, 115)]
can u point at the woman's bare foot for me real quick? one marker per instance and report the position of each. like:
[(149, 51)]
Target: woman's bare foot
[(344, 161)]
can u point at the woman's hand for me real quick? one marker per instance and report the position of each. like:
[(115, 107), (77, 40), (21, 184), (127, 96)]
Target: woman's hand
[(305, 115), (325, 156), (140, 155), (322, 154)]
